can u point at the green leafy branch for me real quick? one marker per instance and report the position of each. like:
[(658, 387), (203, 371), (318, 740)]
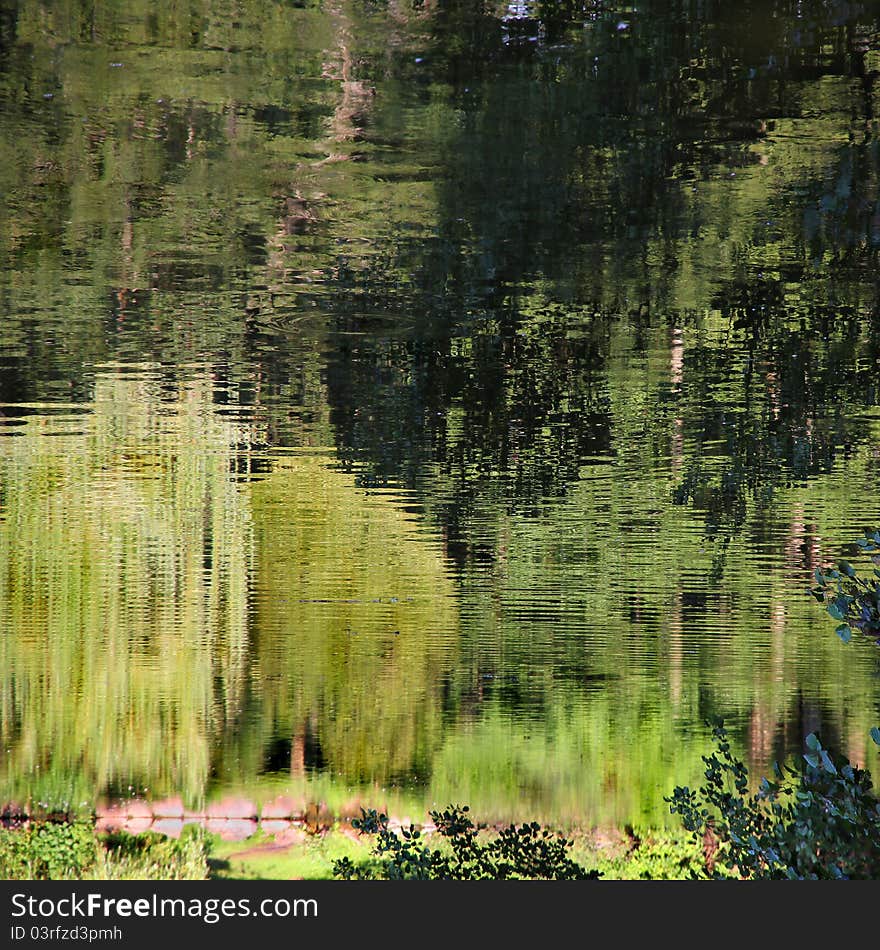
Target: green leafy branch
[(853, 600), (527, 852), (817, 820)]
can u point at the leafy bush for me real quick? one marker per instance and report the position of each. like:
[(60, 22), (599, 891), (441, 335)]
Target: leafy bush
[(72, 850), (852, 600), (527, 852), (819, 820), (47, 850)]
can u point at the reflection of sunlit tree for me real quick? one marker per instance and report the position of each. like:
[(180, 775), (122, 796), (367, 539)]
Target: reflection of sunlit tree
[(125, 545), (355, 626)]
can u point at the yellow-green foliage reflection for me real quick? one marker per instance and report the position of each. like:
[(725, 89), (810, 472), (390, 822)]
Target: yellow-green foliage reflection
[(124, 545), (357, 622)]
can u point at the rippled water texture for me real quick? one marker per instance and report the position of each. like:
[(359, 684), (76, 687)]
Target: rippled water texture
[(431, 402)]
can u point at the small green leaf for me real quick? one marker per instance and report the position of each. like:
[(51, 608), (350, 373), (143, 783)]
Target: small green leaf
[(820, 578), (813, 743), (827, 763), (812, 760), (875, 734), (835, 611), (847, 568), (844, 632)]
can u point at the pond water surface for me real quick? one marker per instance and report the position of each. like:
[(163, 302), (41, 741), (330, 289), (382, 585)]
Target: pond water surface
[(432, 402)]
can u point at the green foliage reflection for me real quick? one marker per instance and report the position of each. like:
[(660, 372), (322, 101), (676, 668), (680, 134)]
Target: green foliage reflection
[(125, 547)]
